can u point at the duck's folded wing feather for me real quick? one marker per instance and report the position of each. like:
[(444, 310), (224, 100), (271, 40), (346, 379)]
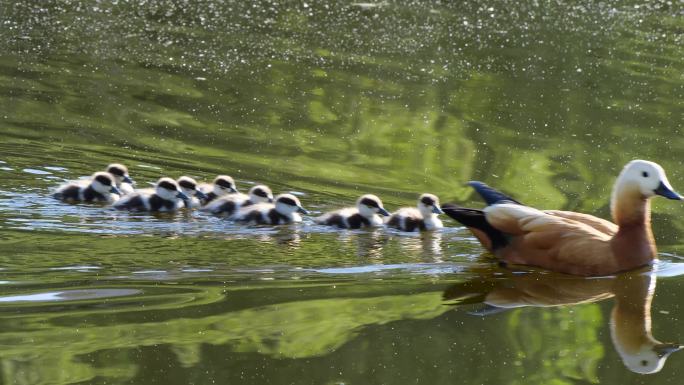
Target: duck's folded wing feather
[(549, 241), (599, 224)]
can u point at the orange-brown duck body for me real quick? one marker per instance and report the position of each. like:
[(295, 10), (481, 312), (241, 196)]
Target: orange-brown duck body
[(570, 242)]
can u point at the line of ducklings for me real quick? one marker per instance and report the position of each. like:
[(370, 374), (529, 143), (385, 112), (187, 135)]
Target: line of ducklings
[(258, 206)]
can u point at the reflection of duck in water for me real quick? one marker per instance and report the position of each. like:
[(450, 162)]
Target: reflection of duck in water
[(570, 242), (630, 325), (630, 320)]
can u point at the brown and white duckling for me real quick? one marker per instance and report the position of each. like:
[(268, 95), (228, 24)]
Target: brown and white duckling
[(365, 214), (189, 187), (123, 181), (99, 189), (167, 196), (422, 218), (227, 205), (285, 209), (221, 186)]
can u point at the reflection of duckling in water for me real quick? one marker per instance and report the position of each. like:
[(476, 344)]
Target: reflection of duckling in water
[(365, 214), (630, 320), (284, 210), (227, 205), (99, 189), (221, 186), (166, 197), (422, 218)]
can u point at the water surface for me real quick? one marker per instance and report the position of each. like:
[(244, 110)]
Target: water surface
[(330, 100)]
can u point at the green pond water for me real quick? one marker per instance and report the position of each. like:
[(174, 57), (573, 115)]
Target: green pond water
[(545, 100)]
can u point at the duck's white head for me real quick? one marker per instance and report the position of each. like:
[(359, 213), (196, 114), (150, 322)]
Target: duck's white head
[(428, 204), (260, 194), (288, 204), (120, 173), (224, 185), (189, 187), (646, 178), (103, 183), (369, 205), (650, 358), (168, 189)]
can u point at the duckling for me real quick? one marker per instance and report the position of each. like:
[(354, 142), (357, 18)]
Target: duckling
[(286, 209), (99, 189), (227, 205), (123, 181), (222, 185), (165, 198), (422, 218), (189, 187), (365, 214)]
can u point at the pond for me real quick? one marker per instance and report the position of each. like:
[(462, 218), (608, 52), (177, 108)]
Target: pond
[(329, 100)]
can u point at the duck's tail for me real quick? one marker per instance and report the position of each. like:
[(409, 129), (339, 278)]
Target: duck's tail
[(476, 222), (490, 195)]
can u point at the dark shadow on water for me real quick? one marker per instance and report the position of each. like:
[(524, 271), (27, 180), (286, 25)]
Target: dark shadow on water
[(630, 318)]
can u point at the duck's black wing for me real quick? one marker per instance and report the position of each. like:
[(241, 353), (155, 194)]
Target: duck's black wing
[(490, 195)]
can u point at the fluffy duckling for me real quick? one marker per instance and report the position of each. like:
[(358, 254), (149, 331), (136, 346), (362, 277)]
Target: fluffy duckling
[(364, 214), (166, 197), (422, 218), (227, 205), (123, 181), (221, 186), (189, 187), (570, 242), (286, 209), (99, 189)]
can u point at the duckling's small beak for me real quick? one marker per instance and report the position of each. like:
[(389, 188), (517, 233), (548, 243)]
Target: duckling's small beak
[(114, 190), (383, 212), (666, 191), (200, 195), (232, 189), (128, 179), (181, 195), (437, 210), (302, 210), (270, 199)]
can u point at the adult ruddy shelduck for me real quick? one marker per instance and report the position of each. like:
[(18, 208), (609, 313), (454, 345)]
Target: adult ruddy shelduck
[(570, 242)]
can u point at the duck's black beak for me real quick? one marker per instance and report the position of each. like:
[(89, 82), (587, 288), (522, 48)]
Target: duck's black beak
[(128, 179), (232, 189), (302, 210), (437, 210), (114, 190), (200, 195), (667, 192), (270, 199), (383, 212)]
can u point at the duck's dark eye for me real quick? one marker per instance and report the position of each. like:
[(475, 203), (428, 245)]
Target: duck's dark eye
[(644, 174)]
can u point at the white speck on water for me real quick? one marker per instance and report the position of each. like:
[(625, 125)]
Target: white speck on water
[(36, 172)]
